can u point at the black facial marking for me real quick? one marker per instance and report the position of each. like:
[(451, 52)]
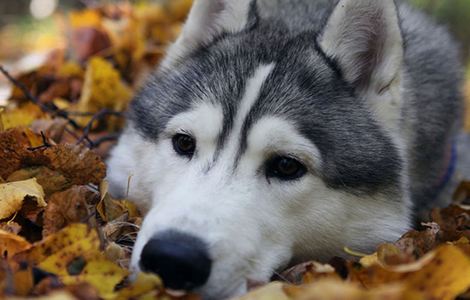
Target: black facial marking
[(305, 88)]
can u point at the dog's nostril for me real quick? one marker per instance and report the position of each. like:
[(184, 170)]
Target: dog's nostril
[(181, 260)]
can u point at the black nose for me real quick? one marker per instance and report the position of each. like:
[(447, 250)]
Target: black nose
[(181, 260)]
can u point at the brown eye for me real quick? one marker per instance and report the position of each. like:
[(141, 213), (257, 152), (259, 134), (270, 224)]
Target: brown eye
[(285, 168), (184, 145)]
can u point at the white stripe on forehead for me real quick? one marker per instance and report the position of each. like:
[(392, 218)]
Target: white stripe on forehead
[(252, 91)]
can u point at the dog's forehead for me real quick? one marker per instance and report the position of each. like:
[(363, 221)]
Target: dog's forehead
[(219, 74), (302, 87)]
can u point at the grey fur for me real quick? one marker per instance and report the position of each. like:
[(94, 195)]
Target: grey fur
[(308, 88)]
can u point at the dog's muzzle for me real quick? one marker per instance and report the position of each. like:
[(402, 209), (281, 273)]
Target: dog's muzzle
[(181, 260)]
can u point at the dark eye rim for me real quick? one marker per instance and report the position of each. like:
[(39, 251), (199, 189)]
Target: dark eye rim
[(176, 139), (273, 172)]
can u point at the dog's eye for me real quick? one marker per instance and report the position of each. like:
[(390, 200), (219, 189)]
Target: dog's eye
[(184, 144), (285, 168)]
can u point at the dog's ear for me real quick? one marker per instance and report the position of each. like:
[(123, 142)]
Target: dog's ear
[(364, 38), (207, 20)]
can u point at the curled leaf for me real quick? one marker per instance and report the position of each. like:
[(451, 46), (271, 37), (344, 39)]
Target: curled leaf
[(13, 194)]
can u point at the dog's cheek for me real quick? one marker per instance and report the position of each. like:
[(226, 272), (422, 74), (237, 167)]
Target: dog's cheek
[(121, 166)]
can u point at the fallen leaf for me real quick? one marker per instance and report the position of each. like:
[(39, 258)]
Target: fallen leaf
[(80, 165), (440, 274), (67, 207), (22, 116), (329, 289), (103, 88), (10, 244), (272, 291), (56, 242), (51, 181), (13, 194), (10, 227), (101, 274), (15, 144)]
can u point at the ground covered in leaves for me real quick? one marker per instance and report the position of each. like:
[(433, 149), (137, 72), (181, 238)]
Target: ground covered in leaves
[(63, 237)]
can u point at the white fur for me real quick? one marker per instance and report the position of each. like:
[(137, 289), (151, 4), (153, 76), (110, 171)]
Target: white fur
[(207, 19), (252, 225), (349, 30)]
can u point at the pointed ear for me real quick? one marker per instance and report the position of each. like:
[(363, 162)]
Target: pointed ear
[(207, 20), (364, 37)]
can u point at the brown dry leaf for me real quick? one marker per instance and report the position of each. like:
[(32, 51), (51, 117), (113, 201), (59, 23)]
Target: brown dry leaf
[(10, 244), (309, 272), (111, 209), (417, 243), (13, 194), (10, 227), (117, 254), (440, 274), (53, 129), (454, 222), (388, 255), (65, 208), (18, 279), (51, 181), (329, 289), (88, 36), (78, 164), (462, 193), (15, 154)]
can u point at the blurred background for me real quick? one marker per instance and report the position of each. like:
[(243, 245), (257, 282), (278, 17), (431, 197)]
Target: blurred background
[(29, 24), (30, 28)]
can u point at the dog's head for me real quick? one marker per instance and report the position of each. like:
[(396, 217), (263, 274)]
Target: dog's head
[(255, 146)]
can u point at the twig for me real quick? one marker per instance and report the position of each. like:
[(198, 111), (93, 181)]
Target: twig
[(86, 130), (45, 144), (55, 111), (66, 115), (104, 139)]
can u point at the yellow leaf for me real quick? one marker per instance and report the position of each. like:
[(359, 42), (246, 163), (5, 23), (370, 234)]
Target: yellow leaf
[(13, 194), (444, 277), (110, 209), (10, 244), (56, 242), (82, 249), (74, 255), (369, 260), (334, 289), (144, 284), (22, 116), (178, 9), (441, 274), (272, 291), (101, 274), (467, 104), (70, 69), (85, 18), (103, 87)]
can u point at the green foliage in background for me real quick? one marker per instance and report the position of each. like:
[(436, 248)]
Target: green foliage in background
[(454, 13)]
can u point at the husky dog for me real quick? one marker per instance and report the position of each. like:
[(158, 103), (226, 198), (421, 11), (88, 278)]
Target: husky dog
[(277, 131)]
